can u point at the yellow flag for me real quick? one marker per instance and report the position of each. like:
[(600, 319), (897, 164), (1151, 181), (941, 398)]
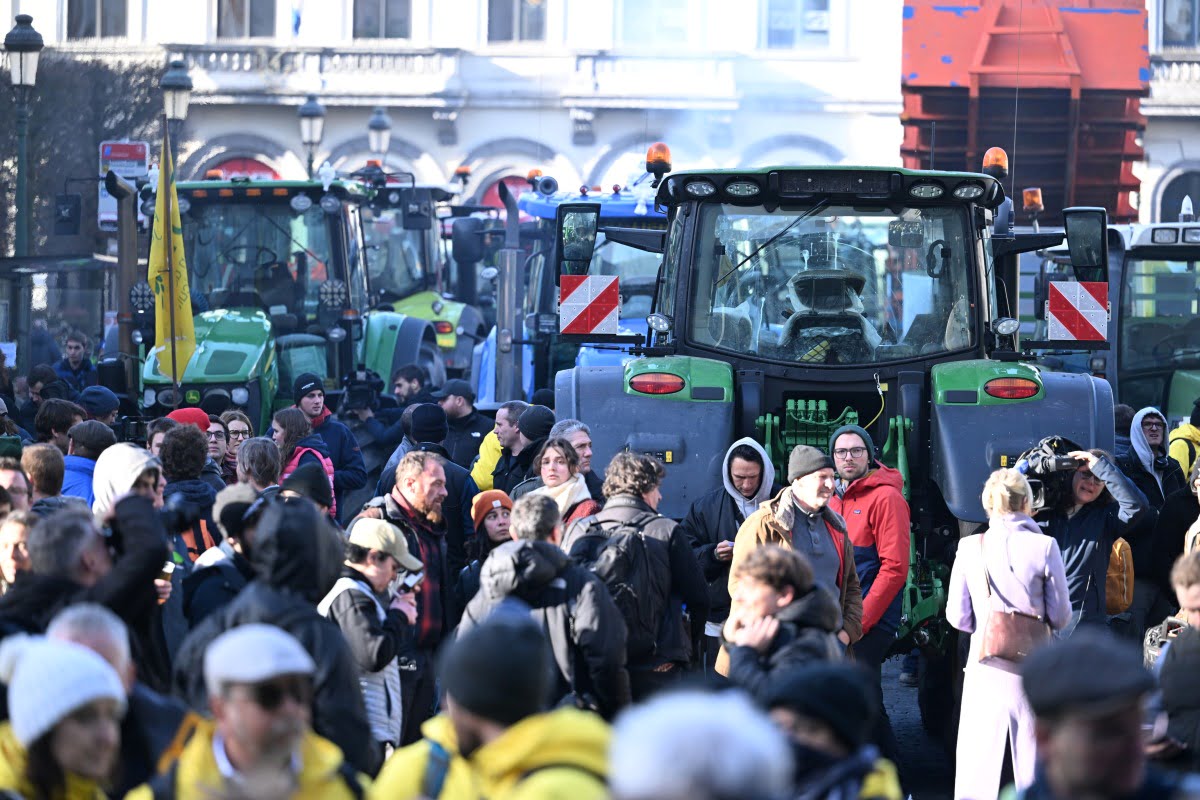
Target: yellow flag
[(175, 333)]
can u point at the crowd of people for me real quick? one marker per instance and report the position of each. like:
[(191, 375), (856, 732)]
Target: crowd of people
[(204, 616)]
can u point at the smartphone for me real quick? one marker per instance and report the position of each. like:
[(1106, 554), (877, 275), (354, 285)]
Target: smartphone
[(412, 580)]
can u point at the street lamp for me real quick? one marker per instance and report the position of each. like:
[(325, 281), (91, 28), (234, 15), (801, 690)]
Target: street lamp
[(379, 133), (23, 45), (312, 127), (176, 87)]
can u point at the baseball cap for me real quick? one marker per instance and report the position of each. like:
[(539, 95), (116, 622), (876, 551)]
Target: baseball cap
[(458, 387), (376, 534)]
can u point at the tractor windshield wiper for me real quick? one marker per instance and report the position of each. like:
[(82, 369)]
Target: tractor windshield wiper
[(818, 206)]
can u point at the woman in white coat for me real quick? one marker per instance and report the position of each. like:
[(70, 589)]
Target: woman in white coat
[(1027, 575)]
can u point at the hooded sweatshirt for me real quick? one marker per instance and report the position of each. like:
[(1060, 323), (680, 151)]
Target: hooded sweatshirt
[(714, 518), (1158, 476), (117, 468)]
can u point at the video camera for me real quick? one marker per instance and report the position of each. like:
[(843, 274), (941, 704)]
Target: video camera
[(1049, 468), (131, 429), (362, 389)]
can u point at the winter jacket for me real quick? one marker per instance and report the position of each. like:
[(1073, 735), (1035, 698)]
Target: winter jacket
[(1180, 510), (559, 754), (1156, 482), (152, 722), (594, 483), (877, 521), (489, 455), (1087, 537), (860, 776), (772, 524), (456, 508), (78, 379), (50, 505), (1184, 445), (807, 634), (324, 773), (313, 450), (687, 585), (581, 621), (211, 474), (347, 457), (511, 470), (43, 348), (197, 498), (428, 543), (385, 427), (117, 469), (406, 772), (377, 635), (387, 475), (211, 587), (465, 436), (229, 470), (77, 478), (127, 590), (296, 566), (573, 497), (715, 518), (13, 759)]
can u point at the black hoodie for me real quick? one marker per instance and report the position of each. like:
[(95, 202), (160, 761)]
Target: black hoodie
[(297, 556), (807, 633)]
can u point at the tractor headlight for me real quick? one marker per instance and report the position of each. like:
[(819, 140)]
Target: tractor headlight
[(240, 395)]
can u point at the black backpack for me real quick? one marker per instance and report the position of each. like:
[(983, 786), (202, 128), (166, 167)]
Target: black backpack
[(620, 555)]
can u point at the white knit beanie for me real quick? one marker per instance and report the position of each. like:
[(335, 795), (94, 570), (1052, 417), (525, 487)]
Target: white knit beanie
[(48, 680)]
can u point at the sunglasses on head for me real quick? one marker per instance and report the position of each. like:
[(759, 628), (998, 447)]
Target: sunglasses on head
[(269, 695)]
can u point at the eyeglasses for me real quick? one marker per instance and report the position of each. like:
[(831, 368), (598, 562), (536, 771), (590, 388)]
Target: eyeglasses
[(236, 434), (216, 434), (1089, 476), (852, 452), (1153, 423), (269, 696)]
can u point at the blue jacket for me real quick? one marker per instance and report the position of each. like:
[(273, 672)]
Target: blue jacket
[(77, 379), (1086, 539), (77, 479), (349, 470)]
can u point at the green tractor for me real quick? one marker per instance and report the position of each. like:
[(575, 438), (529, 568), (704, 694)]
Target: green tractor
[(792, 300), (279, 286)]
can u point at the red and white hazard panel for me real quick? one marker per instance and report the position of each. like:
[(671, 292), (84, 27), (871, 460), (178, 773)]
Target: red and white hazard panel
[(589, 304), (1077, 311)]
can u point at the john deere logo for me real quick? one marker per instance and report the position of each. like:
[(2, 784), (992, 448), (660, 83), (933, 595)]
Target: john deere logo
[(192, 396)]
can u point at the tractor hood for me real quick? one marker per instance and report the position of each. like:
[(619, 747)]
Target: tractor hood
[(232, 346)]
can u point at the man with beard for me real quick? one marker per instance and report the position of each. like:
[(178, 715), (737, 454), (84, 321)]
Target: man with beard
[(415, 507), (259, 743)]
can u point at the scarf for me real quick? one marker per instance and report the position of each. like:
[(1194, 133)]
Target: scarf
[(567, 494)]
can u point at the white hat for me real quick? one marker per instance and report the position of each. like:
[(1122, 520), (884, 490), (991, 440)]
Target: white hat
[(48, 680), (253, 654)]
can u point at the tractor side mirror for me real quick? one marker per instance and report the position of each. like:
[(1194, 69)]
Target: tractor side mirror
[(578, 224), (1087, 242), (466, 240)]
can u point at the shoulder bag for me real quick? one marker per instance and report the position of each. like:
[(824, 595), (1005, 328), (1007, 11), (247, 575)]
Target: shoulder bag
[(1009, 634)]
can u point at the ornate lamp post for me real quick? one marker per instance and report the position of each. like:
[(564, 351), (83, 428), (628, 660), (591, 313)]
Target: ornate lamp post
[(23, 45), (176, 87), (312, 127), (379, 133)]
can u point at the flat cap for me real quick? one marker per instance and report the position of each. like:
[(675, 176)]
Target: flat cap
[(1090, 673)]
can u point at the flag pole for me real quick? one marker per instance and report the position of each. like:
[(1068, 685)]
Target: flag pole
[(169, 244)]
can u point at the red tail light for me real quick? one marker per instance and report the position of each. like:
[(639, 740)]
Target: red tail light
[(656, 383), (1012, 388), (441, 326)]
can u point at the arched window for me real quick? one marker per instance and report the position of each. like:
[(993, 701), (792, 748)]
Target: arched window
[(1186, 184)]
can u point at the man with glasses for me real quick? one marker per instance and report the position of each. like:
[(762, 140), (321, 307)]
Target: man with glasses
[(1152, 470), (260, 742), (869, 496)]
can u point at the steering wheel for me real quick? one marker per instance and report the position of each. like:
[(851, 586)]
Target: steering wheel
[(935, 265), (1183, 339), (259, 251)]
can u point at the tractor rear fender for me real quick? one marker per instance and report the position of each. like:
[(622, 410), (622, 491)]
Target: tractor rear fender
[(689, 435), (392, 340), (973, 433)]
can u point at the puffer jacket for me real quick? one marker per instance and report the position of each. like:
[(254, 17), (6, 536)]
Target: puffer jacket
[(584, 626), (313, 450), (1184, 445), (376, 636), (409, 773), (715, 518), (772, 524), (877, 522), (13, 760), (687, 584), (489, 455), (807, 634), (324, 773), (297, 560), (562, 753)]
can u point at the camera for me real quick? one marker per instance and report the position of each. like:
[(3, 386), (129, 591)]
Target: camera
[(362, 389), (1049, 470), (131, 429), (179, 515)]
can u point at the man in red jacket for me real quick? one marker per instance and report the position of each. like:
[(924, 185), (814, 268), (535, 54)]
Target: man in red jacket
[(870, 498)]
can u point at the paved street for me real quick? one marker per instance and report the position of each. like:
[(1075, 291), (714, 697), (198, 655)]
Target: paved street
[(930, 773)]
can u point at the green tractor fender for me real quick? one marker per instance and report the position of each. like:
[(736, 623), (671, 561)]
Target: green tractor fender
[(392, 340)]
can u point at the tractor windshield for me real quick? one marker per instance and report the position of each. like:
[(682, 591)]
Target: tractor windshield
[(258, 256), (822, 284), (636, 271), (1159, 314), (396, 261)]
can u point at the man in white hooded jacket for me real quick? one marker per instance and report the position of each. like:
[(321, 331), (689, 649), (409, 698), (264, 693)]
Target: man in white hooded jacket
[(748, 478)]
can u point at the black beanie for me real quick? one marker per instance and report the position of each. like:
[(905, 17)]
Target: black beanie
[(836, 694), (305, 383), (501, 670), (535, 423), (428, 423), (309, 480), (862, 432), (805, 460)]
